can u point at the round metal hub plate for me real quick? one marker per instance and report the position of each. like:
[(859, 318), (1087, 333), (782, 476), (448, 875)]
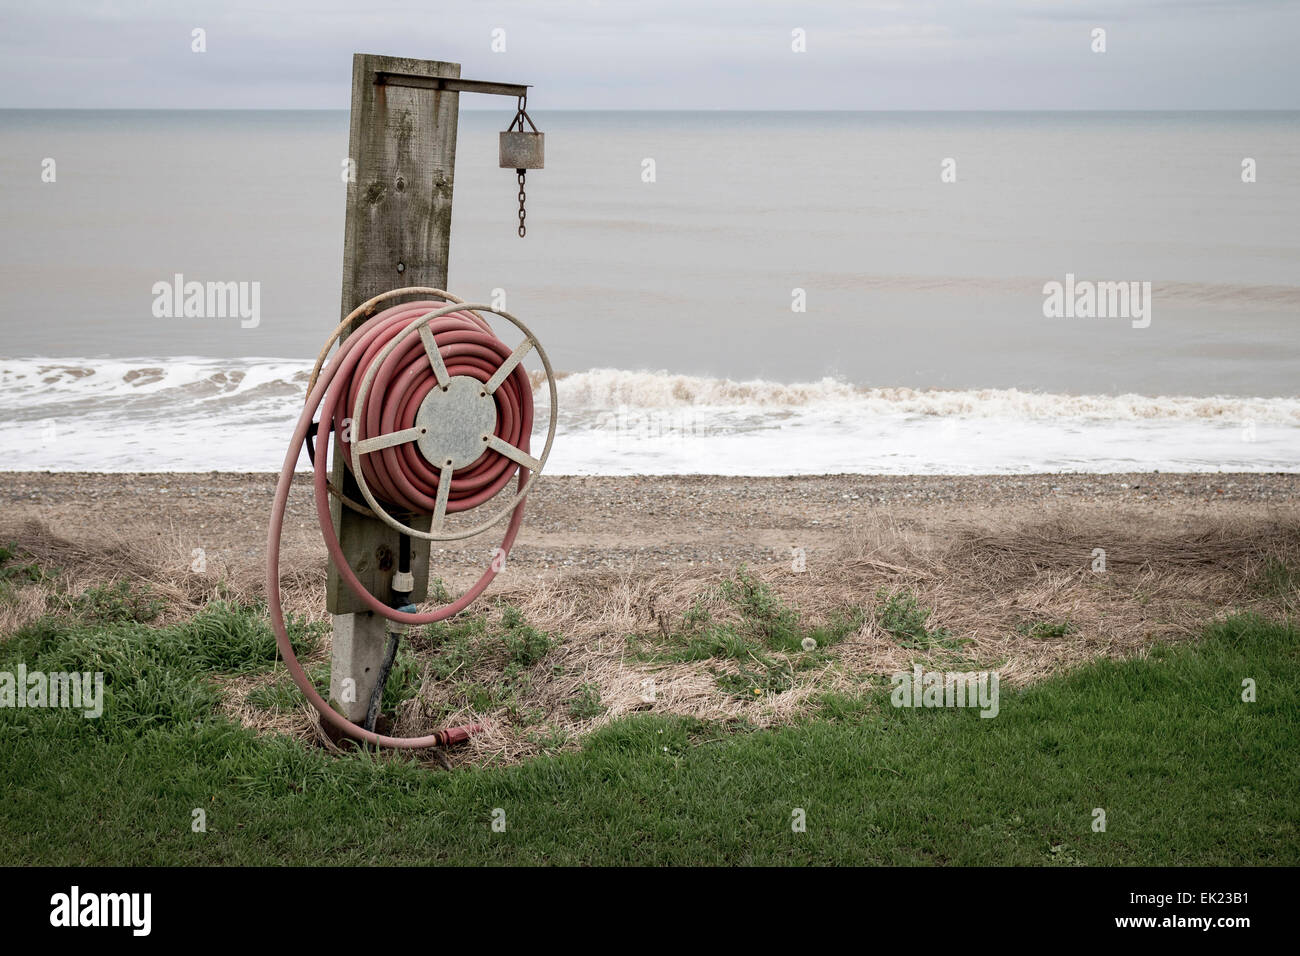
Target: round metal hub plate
[(455, 422)]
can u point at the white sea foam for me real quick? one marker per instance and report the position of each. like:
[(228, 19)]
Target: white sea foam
[(610, 388), (197, 414)]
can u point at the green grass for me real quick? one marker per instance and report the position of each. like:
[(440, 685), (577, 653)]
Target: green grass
[(283, 694), (1186, 771), (460, 650)]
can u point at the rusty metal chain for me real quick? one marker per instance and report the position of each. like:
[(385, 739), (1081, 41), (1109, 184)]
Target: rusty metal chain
[(522, 228), (520, 116)]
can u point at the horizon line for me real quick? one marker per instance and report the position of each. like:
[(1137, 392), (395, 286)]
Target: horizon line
[(717, 109)]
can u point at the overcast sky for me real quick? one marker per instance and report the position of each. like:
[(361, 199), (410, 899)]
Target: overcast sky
[(665, 54)]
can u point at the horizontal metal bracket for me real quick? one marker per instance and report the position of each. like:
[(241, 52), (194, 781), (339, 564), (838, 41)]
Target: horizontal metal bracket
[(453, 84)]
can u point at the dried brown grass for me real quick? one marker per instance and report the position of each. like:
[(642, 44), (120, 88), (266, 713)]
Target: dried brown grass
[(985, 583)]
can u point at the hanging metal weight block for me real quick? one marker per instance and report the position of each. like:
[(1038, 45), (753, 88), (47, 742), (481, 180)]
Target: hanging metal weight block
[(521, 150)]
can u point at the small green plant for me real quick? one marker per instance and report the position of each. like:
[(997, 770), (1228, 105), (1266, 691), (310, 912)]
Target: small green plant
[(465, 641), (283, 694), (1062, 854), (586, 704), (403, 681), (549, 739), (525, 645), (752, 622), (900, 616), (755, 600), (117, 603), (697, 614), (14, 572), (457, 644), (304, 635), (1278, 579), (526, 716), (772, 677), (1046, 630), (841, 624), (477, 697)]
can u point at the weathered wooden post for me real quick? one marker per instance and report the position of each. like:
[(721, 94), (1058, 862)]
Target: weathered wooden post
[(402, 158)]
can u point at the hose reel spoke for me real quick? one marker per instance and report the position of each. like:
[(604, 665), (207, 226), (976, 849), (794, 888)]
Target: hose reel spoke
[(435, 356), (508, 366), (444, 492), (513, 453), (380, 442)]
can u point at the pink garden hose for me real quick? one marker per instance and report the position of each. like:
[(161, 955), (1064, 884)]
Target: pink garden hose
[(401, 377)]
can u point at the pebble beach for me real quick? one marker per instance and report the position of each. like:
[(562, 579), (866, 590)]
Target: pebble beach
[(622, 522)]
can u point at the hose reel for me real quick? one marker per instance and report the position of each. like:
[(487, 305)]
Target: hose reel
[(433, 413)]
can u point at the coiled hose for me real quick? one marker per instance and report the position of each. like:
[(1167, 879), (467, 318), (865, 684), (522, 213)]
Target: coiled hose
[(399, 475)]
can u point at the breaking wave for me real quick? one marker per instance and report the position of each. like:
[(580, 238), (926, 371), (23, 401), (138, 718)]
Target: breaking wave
[(199, 414)]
